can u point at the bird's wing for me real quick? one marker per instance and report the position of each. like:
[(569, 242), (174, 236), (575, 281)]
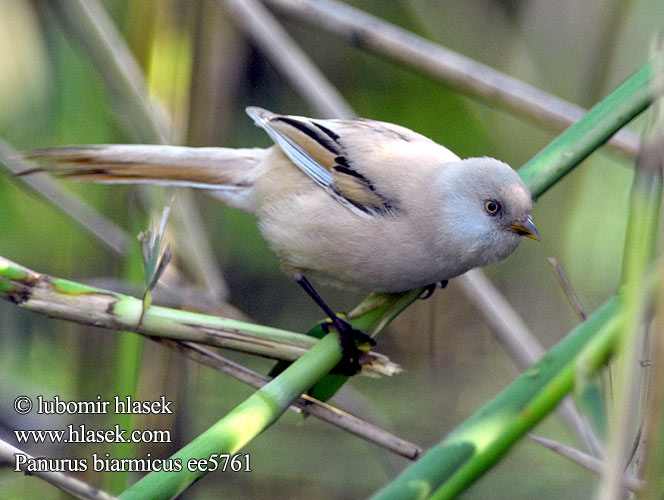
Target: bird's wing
[(318, 150)]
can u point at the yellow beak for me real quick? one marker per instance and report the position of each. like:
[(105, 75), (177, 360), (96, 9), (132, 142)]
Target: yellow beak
[(526, 228)]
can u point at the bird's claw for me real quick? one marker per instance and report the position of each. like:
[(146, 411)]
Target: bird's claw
[(354, 344), (429, 289)]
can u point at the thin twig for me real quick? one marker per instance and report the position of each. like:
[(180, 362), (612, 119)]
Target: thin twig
[(369, 32), (572, 298), (194, 243), (71, 485), (586, 461), (503, 320), (650, 464), (312, 406), (640, 251), (257, 21), (94, 30)]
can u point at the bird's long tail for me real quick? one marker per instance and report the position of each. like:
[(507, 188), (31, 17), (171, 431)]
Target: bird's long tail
[(229, 172)]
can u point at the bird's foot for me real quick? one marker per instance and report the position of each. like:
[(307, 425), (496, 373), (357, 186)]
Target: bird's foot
[(354, 344), (429, 289)]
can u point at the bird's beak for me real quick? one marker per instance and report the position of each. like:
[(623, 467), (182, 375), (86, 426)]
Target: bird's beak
[(526, 228)]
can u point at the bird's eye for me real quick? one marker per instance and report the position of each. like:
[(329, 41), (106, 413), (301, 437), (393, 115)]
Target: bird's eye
[(492, 207)]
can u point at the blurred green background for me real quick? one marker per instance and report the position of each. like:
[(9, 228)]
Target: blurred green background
[(204, 71)]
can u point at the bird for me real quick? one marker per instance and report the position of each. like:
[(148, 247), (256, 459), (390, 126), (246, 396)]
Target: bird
[(355, 202)]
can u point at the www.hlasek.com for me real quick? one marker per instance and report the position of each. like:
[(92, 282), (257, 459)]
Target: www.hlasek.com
[(81, 434)]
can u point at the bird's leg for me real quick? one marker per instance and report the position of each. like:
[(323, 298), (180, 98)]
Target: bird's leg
[(348, 336), (429, 289)]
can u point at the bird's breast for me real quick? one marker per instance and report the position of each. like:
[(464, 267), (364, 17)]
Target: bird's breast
[(314, 234)]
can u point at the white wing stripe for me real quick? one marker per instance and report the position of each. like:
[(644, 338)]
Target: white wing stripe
[(300, 157), (305, 162), (295, 152)]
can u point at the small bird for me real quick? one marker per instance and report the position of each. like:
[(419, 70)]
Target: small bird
[(357, 202)]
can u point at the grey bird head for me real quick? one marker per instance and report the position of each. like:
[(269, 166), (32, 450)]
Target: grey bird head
[(485, 211)]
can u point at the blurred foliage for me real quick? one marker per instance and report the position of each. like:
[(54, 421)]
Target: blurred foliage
[(204, 71)]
